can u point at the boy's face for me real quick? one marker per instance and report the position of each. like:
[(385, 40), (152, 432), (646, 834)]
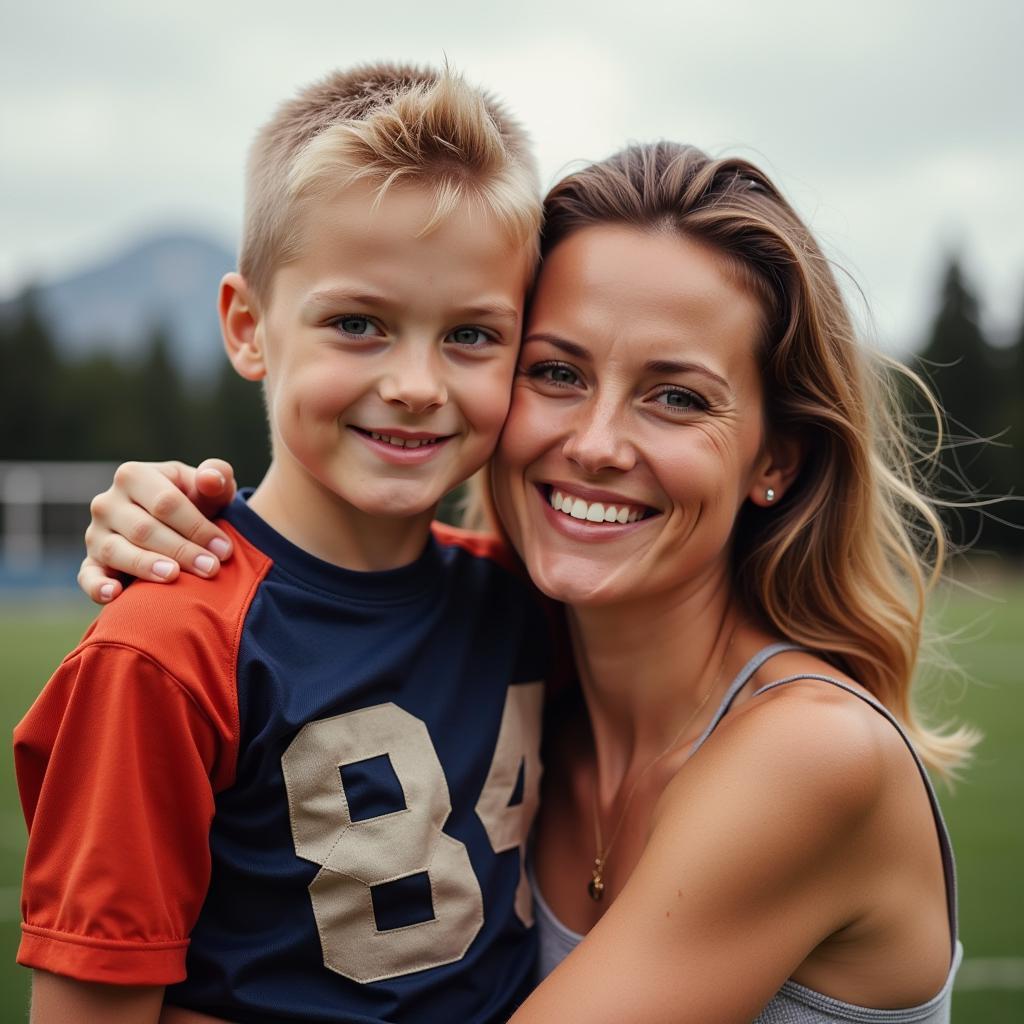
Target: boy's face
[(389, 357)]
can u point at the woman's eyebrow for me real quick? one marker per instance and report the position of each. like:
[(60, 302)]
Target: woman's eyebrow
[(669, 366), (568, 347)]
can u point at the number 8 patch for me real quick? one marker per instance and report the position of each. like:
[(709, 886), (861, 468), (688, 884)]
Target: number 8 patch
[(363, 858)]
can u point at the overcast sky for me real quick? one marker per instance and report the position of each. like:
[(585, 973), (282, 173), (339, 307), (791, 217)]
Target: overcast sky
[(896, 127)]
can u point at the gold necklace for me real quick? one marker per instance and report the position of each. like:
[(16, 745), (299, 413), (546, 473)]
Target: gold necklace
[(595, 887)]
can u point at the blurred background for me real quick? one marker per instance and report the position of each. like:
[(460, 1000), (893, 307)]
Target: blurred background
[(897, 130)]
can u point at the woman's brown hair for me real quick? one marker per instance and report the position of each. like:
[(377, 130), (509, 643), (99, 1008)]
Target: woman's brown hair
[(844, 563)]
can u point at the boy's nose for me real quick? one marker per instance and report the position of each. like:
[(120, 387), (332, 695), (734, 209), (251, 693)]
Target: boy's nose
[(416, 388)]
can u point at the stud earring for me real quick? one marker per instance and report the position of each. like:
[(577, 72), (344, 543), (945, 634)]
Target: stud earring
[(769, 495)]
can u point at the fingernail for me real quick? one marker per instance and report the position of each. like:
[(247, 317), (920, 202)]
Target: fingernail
[(204, 563), (107, 592), (221, 548), (163, 569)]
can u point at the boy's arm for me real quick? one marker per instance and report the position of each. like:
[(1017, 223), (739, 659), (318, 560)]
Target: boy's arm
[(117, 765), (152, 521), (57, 1000)]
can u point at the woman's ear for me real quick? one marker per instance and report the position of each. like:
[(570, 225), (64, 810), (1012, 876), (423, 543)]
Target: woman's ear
[(780, 462), (239, 326)]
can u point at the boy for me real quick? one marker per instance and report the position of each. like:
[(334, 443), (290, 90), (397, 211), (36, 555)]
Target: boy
[(317, 773)]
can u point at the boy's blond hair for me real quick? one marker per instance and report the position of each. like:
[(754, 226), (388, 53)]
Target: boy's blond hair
[(385, 123)]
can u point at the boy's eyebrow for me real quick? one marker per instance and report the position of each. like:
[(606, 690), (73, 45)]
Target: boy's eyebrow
[(332, 296), (498, 310), (656, 366)]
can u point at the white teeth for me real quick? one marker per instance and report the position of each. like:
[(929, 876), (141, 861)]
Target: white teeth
[(402, 442), (593, 512)]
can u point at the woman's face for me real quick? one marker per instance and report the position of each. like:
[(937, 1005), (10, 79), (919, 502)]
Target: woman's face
[(636, 430)]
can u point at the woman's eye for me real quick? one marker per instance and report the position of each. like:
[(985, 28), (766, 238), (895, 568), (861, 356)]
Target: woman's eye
[(560, 374), (360, 326), (473, 337), (678, 398)]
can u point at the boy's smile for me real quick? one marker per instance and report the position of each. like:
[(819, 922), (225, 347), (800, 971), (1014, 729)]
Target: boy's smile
[(388, 356), (404, 448)]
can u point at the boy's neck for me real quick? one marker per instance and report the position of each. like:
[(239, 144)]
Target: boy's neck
[(320, 523)]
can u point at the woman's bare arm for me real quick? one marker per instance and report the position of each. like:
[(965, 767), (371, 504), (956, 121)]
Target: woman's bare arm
[(153, 522), (756, 856)]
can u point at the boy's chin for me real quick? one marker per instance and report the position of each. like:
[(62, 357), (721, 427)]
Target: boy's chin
[(411, 506)]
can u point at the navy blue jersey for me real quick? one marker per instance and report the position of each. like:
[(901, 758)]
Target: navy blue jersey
[(368, 744)]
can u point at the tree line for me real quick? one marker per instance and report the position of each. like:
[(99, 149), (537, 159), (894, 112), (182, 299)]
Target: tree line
[(102, 407)]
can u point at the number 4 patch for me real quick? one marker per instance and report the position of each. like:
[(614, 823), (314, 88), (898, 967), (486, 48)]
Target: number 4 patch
[(359, 858)]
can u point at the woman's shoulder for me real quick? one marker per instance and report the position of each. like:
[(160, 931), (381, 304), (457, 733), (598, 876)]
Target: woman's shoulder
[(805, 745)]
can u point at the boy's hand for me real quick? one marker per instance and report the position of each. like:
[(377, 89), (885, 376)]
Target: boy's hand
[(152, 523)]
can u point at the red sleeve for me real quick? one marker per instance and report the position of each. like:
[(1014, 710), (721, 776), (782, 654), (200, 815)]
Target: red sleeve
[(114, 764)]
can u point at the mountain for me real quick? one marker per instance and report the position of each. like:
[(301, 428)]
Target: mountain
[(167, 279)]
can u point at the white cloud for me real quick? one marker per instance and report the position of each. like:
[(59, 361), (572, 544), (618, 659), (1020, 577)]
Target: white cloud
[(894, 127)]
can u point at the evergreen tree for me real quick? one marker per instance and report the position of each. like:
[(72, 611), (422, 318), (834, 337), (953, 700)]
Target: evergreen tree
[(238, 429), (965, 374), (958, 359), (1012, 536), (29, 368), (1016, 401), (100, 417), (160, 398)]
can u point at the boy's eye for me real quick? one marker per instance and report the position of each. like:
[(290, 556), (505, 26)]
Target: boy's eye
[(471, 336), (360, 326)]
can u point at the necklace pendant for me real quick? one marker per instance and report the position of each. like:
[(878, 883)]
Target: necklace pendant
[(595, 887)]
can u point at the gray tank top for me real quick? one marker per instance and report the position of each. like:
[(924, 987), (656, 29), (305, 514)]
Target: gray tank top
[(795, 1003)]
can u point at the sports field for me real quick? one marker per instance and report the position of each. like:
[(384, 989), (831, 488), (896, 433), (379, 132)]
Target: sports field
[(986, 812)]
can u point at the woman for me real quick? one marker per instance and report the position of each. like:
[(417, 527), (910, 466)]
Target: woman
[(698, 462)]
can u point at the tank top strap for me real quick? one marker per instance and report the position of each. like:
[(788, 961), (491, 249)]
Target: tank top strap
[(945, 846), (741, 680)]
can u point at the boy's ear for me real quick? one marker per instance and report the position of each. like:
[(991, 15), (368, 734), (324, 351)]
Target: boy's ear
[(781, 460), (239, 326)]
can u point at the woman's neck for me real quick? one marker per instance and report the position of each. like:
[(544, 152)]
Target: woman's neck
[(645, 669)]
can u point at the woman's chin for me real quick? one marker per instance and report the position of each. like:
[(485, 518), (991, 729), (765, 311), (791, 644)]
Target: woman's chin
[(574, 581)]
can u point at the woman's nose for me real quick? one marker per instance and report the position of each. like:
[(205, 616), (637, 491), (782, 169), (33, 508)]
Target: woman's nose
[(598, 440)]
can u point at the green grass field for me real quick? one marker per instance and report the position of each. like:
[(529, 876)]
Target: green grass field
[(985, 813)]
